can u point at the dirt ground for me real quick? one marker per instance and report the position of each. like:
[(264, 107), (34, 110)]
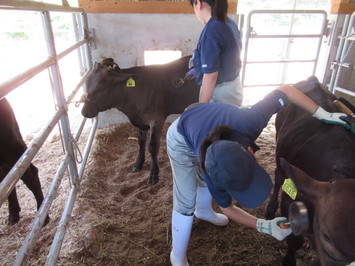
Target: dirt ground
[(120, 220)]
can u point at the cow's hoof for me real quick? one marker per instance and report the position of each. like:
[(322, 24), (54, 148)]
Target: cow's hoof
[(137, 168), (153, 180), (13, 219), (289, 261)]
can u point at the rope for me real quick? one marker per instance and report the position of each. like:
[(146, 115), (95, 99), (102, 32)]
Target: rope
[(74, 150)]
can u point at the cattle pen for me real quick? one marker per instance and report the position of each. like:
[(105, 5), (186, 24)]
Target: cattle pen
[(94, 37)]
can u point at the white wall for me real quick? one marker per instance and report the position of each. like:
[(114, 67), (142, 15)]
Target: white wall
[(125, 37)]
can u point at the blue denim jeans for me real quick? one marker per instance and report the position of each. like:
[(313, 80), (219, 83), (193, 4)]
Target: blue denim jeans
[(186, 173)]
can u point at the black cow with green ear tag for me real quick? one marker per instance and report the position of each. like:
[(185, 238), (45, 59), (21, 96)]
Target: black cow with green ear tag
[(320, 160)]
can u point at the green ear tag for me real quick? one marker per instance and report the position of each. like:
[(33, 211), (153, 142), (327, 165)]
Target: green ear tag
[(290, 188), (130, 82)]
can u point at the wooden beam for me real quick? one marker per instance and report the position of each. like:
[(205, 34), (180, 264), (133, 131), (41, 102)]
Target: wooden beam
[(342, 7), (104, 6)]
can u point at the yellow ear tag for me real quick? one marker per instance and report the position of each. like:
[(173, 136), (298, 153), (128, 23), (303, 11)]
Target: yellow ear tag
[(290, 188), (130, 82)]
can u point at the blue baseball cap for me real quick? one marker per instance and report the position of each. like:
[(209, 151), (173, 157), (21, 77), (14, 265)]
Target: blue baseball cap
[(232, 168)]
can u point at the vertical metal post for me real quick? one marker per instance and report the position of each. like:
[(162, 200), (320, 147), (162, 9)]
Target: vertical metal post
[(347, 31), (59, 96), (77, 27), (87, 52), (332, 83)]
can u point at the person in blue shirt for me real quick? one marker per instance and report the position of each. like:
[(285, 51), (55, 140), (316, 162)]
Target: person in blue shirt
[(211, 150), (216, 60)]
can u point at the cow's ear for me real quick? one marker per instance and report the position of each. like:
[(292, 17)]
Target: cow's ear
[(96, 65), (108, 62), (306, 185)]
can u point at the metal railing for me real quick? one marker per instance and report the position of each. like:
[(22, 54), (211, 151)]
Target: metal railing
[(76, 169), (341, 62), (251, 34)]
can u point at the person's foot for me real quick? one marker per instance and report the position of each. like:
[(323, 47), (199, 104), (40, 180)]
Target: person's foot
[(175, 262), (213, 218)]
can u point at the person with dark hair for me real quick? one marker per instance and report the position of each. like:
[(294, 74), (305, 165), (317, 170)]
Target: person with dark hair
[(211, 149), (216, 60)]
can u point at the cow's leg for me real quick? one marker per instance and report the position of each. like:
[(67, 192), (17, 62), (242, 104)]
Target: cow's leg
[(154, 142), (31, 180), (273, 203), (13, 204), (294, 243), (14, 208), (142, 140)]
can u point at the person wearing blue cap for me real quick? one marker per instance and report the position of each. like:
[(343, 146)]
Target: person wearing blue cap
[(211, 150), (216, 60)]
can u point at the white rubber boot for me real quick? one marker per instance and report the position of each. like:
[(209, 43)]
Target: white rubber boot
[(181, 229), (204, 211)]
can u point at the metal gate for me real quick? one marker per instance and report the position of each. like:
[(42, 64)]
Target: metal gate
[(281, 46), (342, 77), (62, 105)]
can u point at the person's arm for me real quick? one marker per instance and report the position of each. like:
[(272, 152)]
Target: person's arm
[(239, 216), (304, 102), (208, 84), (270, 227), (299, 99)]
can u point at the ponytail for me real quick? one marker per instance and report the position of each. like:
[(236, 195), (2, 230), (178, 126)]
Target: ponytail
[(219, 133), (219, 9)]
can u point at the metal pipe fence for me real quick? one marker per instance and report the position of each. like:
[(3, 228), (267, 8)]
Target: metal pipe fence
[(75, 169)]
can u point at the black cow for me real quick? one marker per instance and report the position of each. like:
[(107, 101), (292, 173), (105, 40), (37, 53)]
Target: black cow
[(12, 148), (147, 95), (322, 159)]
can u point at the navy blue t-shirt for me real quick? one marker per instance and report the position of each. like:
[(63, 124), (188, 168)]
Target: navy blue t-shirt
[(246, 124), (218, 49)]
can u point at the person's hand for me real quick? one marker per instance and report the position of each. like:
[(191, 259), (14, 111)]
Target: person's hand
[(350, 119), (331, 118), (190, 74), (271, 227)]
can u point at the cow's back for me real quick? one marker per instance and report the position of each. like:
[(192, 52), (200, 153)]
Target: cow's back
[(323, 151), (11, 142), (163, 87)]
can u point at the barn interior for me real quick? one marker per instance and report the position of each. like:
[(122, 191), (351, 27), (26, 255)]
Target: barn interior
[(48, 48)]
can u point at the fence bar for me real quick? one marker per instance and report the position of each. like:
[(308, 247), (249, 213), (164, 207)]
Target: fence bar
[(282, 61), (70, 49), (9, 182), (250, 34), (63, 224), (348, 92), (38, 222), (87, 52), (77, 31), (338, 54), (75, 91), (20, 79), (68, 162), (342, 52), (260, 36), (59, 94)]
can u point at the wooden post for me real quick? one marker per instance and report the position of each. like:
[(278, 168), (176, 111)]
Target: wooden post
[(152, 7), (343, 7)]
